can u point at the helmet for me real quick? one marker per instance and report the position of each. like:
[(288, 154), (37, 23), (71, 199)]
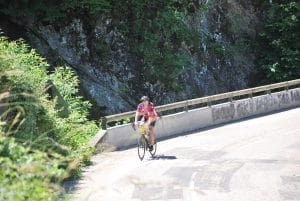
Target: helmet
[(144, 98)]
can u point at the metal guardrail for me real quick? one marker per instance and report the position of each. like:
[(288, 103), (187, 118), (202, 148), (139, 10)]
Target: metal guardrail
[(207, 99)]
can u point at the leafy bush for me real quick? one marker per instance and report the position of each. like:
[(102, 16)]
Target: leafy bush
[(38, 146), (27, 175)]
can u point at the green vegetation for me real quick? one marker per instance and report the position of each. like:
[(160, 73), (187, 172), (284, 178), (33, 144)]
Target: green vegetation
[(279, 44), (39, 147), (155, 30), (155, 34), (51, 11), (43, 136)]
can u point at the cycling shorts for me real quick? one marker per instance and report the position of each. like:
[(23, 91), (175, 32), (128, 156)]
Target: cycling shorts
[(152, 124)]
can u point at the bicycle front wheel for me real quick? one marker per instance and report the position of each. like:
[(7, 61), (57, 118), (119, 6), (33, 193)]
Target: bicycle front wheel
[(153, 150), (141, 147)]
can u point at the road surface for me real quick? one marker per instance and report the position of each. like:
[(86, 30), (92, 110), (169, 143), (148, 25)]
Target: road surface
[(252, 160)]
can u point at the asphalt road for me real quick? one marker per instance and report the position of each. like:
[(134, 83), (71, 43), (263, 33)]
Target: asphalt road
[(252, 160)]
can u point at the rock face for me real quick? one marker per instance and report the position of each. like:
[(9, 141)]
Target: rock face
[(110, 75), (225, 63)]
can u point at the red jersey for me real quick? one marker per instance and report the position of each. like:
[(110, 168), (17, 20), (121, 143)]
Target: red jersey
[(148, 111)]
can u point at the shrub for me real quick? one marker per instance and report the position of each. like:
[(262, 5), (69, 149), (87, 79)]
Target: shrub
[(39, 147)]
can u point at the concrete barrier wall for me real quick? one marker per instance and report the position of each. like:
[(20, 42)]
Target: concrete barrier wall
[(124, 136)]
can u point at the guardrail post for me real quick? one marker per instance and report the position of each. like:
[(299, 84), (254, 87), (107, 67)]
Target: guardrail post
[(286, 87), (103, 123), (186, 106), (250, 95), (208, 103)]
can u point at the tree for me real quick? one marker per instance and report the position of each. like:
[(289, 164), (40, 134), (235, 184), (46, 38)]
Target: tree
[(279, 43)]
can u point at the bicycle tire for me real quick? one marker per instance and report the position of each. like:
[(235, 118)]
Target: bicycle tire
[(154, 150), (141, 147)]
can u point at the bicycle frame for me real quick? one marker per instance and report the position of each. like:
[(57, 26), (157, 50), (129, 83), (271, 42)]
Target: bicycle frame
[(143, 141)]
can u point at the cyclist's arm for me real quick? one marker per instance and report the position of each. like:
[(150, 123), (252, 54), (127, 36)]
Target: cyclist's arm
[(137, 115), (153, 113)]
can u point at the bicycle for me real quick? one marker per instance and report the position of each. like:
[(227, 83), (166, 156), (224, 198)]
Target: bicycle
[(143, 144)]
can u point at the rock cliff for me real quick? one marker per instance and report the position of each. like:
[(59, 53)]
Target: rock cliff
[(220, 59)]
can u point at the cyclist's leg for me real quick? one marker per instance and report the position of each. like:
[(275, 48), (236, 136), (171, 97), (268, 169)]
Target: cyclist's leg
[(151, 130)]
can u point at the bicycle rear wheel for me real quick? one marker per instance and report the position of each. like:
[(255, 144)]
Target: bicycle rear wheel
[(141, 147)]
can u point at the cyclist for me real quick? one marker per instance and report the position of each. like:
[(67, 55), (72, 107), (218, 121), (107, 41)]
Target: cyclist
[(147, 111)]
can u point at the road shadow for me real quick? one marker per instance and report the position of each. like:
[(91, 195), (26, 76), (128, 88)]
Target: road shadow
[(163, 157), (70, 185)]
